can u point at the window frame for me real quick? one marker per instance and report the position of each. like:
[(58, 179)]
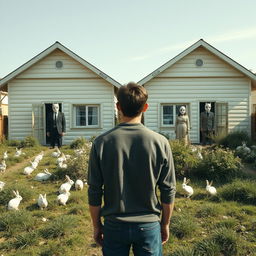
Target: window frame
[(74, 107), (174, 112)]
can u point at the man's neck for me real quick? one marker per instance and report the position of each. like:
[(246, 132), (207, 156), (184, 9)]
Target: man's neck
[(131, 120)]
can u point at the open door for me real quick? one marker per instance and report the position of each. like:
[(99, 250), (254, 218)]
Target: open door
[(38, 130), (221, 116)]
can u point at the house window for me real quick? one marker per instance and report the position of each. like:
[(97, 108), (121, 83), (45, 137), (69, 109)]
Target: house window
[(86, 115), (169, 113)]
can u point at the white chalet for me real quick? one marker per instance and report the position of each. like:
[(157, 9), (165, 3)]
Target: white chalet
[(197, 75), (58, 75)]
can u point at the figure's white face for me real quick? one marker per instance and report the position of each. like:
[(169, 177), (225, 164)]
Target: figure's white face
[(55, 108), (207, 107), (183, 110)]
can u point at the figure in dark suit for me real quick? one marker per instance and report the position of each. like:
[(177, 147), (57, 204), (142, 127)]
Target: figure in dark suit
[(207, 124), (56, 126)]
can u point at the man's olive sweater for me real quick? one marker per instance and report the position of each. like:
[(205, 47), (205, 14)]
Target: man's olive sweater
[(126, 166)]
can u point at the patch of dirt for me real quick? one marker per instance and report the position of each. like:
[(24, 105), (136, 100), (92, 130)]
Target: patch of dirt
[(25, 162)]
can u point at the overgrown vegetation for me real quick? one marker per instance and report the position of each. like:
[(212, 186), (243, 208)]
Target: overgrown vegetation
[(219, 165), (184, 158), (233, 139)]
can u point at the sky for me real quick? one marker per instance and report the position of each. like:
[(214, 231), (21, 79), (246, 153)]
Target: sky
[(126, 39)]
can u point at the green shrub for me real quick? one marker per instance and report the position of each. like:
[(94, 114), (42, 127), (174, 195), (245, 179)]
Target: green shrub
[(14, 143), (78, 143), (243, 191), (223, 241), (208, 210), (219, 165), (54, 249), (184, 158), (183, 251), (227, 240), (7, 194), (25, 239), (16, 221), (29, 142), (77, 168), (234, 139), (229, 223), (207, 247), (183, 225), (59, 227)]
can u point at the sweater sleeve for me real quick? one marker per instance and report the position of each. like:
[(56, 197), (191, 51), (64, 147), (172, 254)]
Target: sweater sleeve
[(95, 179), (167, 181)]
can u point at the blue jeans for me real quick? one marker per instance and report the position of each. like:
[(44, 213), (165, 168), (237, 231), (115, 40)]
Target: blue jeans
[(145, 238)]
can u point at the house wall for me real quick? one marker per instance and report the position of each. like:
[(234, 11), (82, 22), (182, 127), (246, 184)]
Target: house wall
[(73, 84), (184, 82)]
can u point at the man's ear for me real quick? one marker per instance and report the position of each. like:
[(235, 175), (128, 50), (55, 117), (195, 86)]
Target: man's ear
[(145, 108), (118, 106)]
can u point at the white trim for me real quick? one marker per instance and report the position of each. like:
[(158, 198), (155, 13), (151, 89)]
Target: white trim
[(73, 118), (46, 52), (174, 104), (210, 48)]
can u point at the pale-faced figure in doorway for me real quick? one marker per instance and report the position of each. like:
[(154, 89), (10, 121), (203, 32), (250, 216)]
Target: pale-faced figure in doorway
[(56, 126), (207, 124), (182, 125)]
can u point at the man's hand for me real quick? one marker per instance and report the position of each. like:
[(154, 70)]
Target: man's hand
[(98, 236), (48, 134), (165, 233), (63, 133)]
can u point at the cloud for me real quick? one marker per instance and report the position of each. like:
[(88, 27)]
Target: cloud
[(228, 36)]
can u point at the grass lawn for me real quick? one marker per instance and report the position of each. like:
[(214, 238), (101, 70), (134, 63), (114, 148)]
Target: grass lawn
[(210, 225)]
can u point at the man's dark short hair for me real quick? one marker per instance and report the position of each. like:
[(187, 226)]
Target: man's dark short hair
[(132, 98)]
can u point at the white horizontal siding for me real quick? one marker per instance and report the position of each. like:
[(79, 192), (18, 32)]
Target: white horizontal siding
[(46, 68), (193, 91), (24, 93), (212, 66)]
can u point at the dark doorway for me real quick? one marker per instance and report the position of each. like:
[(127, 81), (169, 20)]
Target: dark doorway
[(48, 112), (202, 109)]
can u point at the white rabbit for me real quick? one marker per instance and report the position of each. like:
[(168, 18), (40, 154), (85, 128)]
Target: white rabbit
[(5, 155), (62, 165), (18, 152), (43, 175), (2, 184), (56, 153), (34, 164), (79, 185), (65, 187), (188, 190), (42, 201), (61, 159), (210, 189), (3, 166), (39, 157), (28, 170), (15, 202), (63, 198)]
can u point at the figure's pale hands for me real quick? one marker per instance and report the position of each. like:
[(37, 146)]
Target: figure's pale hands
[(48, 134), (165, 233)]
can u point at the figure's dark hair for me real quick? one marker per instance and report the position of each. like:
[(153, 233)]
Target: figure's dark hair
[(132, 98)]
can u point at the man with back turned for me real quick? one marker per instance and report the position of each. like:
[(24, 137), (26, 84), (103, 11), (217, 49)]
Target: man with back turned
[(127, 165)]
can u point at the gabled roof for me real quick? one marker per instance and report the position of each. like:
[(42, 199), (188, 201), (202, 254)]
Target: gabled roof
[(49, 50), (210, 48)]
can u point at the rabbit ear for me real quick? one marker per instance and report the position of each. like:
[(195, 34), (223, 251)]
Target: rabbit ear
[(14, 193), (184, 180), (17, 192), (188, 181), (67, 177), (211, 182), (207, 182)]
